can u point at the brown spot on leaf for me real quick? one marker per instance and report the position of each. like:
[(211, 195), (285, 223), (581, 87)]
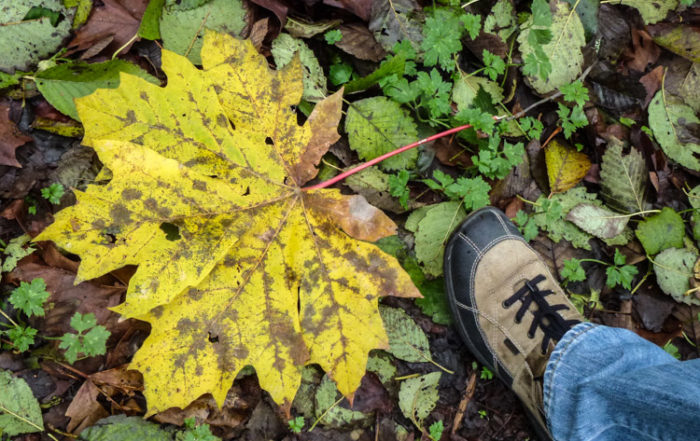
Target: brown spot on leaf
[(120, 214), (130, 194)]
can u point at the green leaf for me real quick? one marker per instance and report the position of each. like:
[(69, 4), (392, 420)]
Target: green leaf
[(571, 120), (436, 429), (182, 29), (434, 302), (407, 341), (296, 425), (418, 396), (563, 51), (284, 47), (623, 178), (674, 269), (71, 343), (661, 231), (339, 73), (333, 36), (83, 322), (622, 275), (672, 121), (526, 225), (378, 125), (472, 23), (25, 42), (694, 200), (441, 38), (16, 251), (575, 92), (493, 65), (392, 66), (22, 337), (94, 342), (597, 220), (541, 13), (39, 11), (124, 428), (19, 410), (53, 193), (433, 231), (30, 297), (572, 271), (474, 192), (652, 11), (501, 20), (532, 126), (398, 187), (150, 23), (587, 11)]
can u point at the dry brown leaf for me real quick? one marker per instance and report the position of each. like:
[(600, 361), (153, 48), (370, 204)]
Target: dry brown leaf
[(359, 41), (119, 19), (10, 138), (361, 8), (85, 410)]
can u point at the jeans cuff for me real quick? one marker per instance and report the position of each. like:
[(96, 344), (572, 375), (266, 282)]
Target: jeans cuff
[(559, 352)]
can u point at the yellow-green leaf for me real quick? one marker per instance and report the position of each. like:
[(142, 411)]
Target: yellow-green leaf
[(565, 166), (236, 264)]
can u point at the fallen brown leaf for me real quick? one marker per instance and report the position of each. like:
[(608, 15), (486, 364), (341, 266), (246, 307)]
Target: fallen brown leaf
[(359, 41), (119, 19), (10, 138), (85, 410), (361, 8)]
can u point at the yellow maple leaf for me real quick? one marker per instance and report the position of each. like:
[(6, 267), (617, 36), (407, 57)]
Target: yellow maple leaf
[(237, 265), (565, 166)]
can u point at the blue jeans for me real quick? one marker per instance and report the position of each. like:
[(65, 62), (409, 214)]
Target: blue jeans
[(608, 384)]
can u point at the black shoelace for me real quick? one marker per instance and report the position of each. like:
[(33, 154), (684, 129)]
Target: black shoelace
[(546, 317)]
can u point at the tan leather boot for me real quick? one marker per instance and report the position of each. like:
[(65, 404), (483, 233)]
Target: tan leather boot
[(508, 308)]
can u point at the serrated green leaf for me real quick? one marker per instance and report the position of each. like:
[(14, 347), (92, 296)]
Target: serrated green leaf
[(83, 322), (124, 428), (501, 20), (587, 11), (378, 125), (441, 38), (623, 178), (22, 337), (61, 84), (563, 51), (572, 271), (17, 400), (182, 30), (94, 341), (670, 121), (407, 341), (71, 343), (25, 42), (661, 231), (393, 66), (674, 269), (652, 11), (30, 297), (418, 396), (432, 233), (434, 302)]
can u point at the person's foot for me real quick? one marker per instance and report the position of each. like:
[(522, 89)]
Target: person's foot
[(507, 307)]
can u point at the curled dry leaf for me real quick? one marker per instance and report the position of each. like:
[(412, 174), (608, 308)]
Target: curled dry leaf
[(237, 265), (10, 138)]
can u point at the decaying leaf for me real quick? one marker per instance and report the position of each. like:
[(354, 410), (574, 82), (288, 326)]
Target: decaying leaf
[(19, 410), (565, 166), (283, 50), (674, 269), (10, 138), (598, 221), (236, 264), (661, 231), (407, 341), (623, 178), (652, 11), (564, 50), (418, 396), (671, 121)]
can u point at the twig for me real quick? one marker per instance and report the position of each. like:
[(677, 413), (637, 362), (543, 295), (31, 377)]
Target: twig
[(468, 394)]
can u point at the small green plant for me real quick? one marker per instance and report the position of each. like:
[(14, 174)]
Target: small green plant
[(472, 24), (486, 373), (571, 119), (296, 425), (493, 65), (90, 339), (575, 92), (15, 251), (435, 430), (194, 432), (333, 36), (473, 192), (538, 62), (526, 225), (483, 414), (398, 187), (31, 205), (28, 298), (53, 193), (581, 301), (533, 127), (617, 273)]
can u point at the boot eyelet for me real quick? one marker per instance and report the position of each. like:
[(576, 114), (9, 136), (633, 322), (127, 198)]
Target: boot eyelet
[(543, 352), (505, 305), (517, 321), (530, 335)]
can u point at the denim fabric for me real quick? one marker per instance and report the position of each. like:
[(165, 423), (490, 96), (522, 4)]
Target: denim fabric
[(608, 384)]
